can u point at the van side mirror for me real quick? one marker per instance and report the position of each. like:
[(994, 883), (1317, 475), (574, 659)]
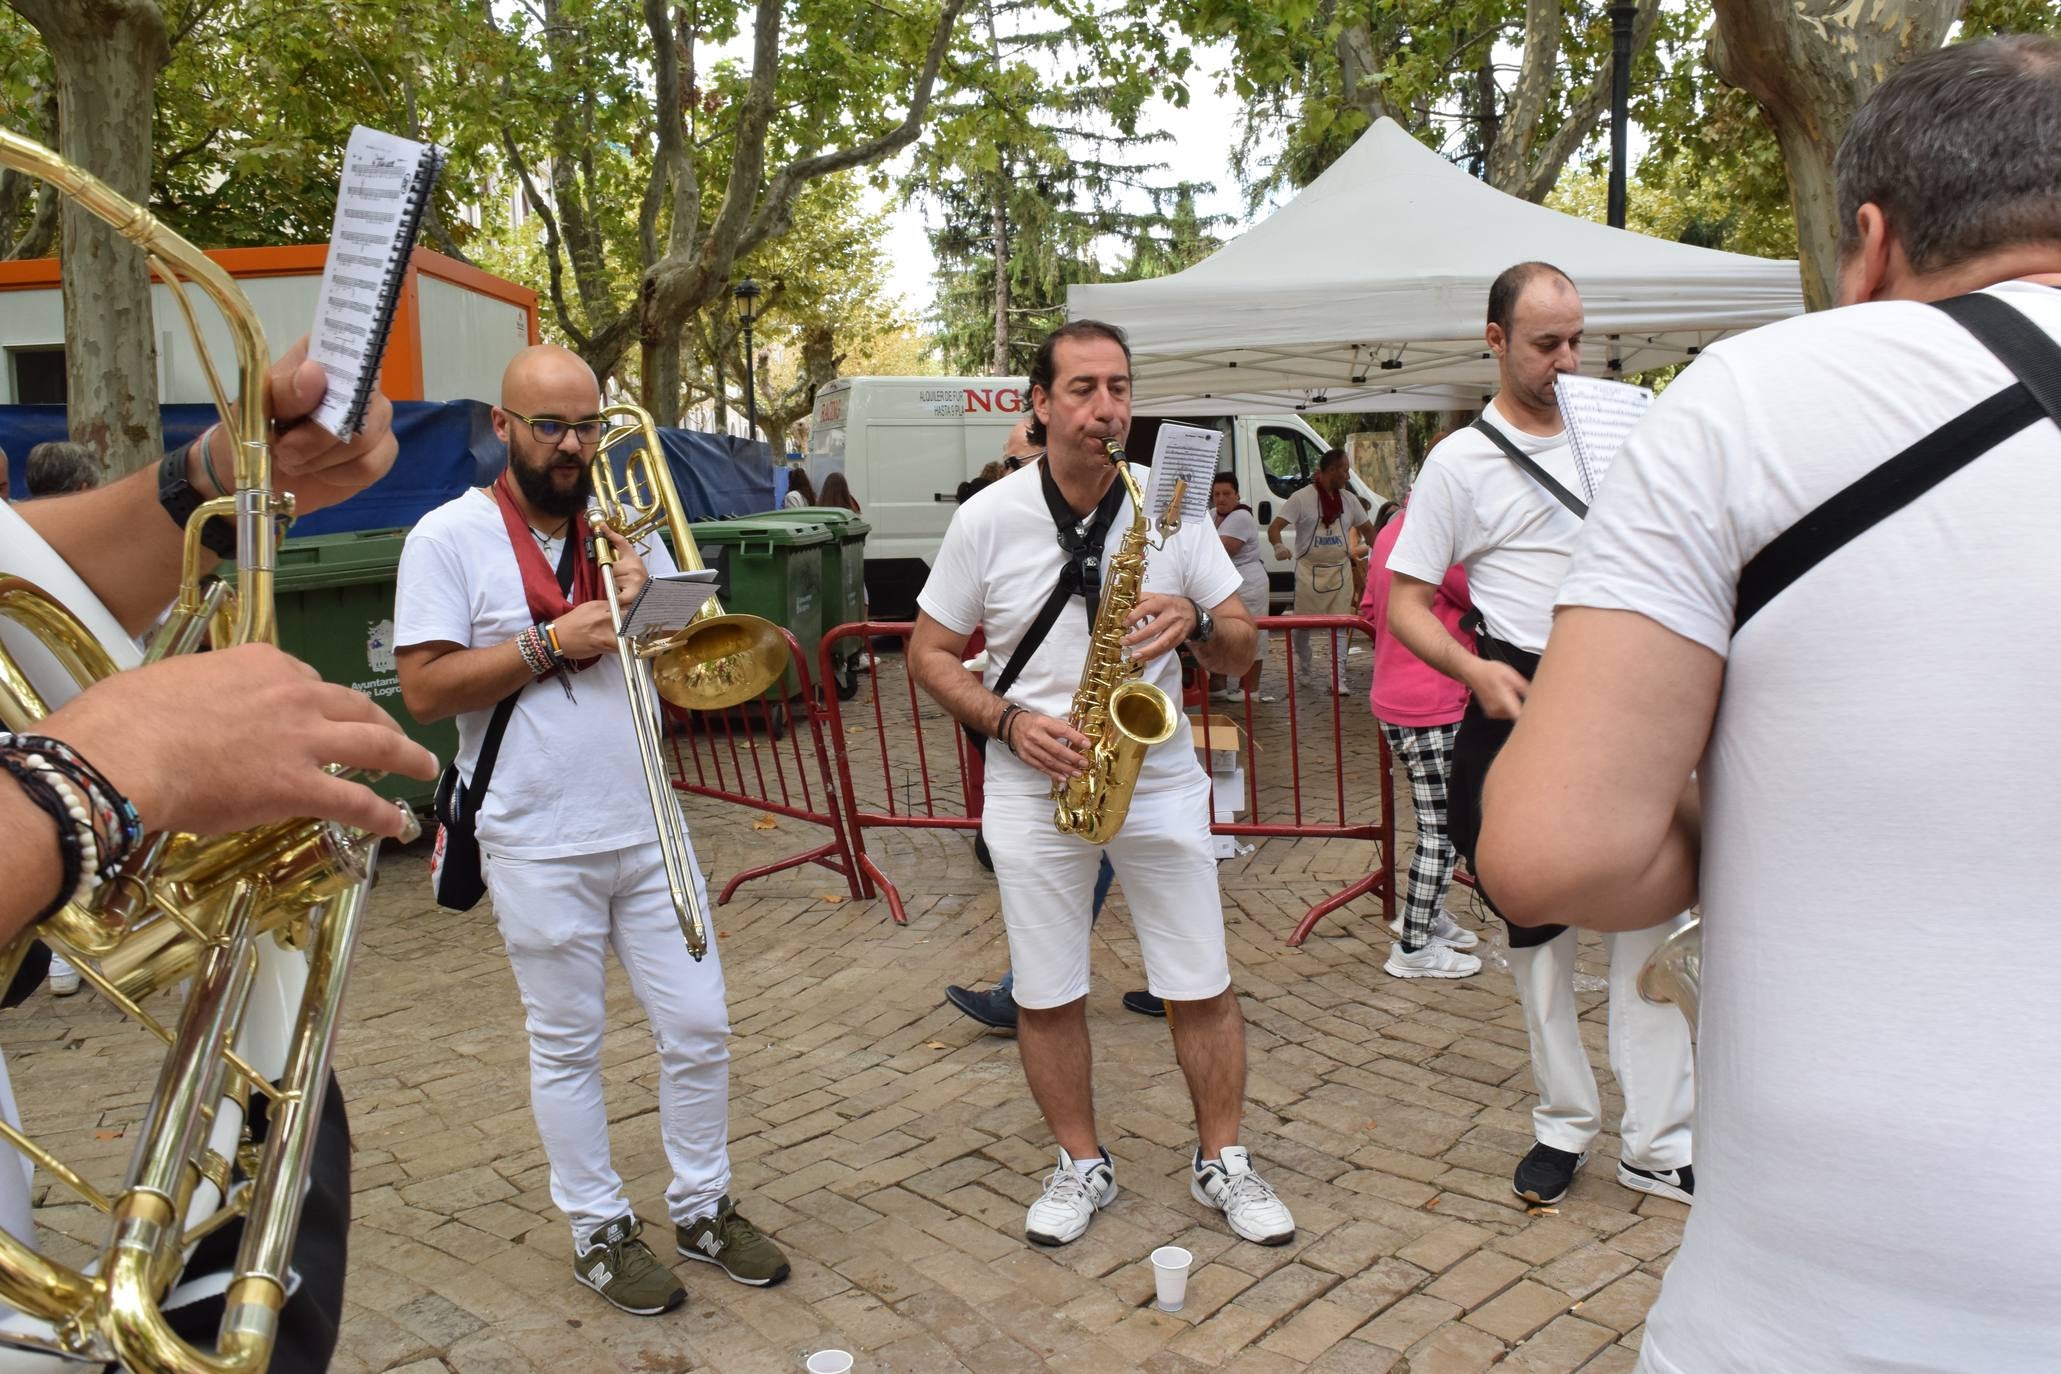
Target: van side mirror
[(1266, 512)]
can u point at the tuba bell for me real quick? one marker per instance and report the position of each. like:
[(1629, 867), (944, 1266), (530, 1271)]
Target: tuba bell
[(258, 926), (1674, 972)]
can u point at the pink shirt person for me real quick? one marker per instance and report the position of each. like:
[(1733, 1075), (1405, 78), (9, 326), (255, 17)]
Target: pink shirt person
[(1406, 691)]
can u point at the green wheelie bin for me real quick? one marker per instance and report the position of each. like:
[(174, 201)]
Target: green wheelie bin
[(335, 598), (844, 579), (771, 568)]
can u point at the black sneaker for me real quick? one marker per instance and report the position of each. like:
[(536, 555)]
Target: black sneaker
[(995, 1008), (1679, 1184), (1543, 1176), (1144, 1003)]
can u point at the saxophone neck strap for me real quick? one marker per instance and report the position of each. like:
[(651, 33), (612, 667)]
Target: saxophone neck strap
[(1080, 575)]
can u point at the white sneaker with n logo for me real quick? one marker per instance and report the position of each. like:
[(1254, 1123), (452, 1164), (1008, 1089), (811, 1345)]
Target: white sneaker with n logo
[(1228, 1184)]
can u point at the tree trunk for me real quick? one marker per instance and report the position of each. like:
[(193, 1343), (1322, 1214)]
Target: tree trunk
[(1810, 64), (107, 54), (999, 363), (659, 378)]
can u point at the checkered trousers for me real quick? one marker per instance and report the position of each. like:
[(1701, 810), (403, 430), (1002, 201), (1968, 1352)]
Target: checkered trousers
[(1427, 753)]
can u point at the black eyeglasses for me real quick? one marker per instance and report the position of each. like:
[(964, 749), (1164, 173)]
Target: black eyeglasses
[(551, 429)]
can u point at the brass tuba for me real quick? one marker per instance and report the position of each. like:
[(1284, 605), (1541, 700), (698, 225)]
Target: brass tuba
[(713, 662), (1122, 714), (259, 926)]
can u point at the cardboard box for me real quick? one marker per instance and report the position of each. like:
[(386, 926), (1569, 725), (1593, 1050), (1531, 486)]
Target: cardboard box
[(1219, 743)]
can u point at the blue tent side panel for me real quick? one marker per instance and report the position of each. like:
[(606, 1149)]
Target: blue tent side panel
[(445, 447)]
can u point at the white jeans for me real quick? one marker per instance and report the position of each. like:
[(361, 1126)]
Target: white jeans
[(1650, 1052), (556, 916)]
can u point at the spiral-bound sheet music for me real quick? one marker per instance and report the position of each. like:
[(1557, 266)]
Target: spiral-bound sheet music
[(1600, 414), (1186, 451), (379, 208)]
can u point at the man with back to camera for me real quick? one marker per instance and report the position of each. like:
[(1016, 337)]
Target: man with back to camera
[(1503, 498), (1878, 1106), (1053, 526)]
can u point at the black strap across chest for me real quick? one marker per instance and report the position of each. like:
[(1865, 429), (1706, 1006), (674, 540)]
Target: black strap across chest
[(1080, 575), (2024, 348), (1532, 470)]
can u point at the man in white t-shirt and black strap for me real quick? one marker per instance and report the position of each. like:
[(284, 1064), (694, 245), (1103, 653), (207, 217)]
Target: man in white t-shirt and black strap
[(1505, 498), (568, 844), (1843, 526), (1007, 553)]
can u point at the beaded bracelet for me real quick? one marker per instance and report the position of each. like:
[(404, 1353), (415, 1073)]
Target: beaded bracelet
[(536, 654), (97, 827), (41, 790), (1010, 711)]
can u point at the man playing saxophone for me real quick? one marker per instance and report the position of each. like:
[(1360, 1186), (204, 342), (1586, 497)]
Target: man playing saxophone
[(1029, 559), (497, 594)]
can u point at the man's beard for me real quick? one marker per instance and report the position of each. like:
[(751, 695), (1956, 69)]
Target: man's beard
[(544, 494)]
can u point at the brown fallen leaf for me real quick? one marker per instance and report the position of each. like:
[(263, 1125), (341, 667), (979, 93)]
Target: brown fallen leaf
[(1431, 1206), (1542, 1211), (831, 897), (765, 823), (115, 1134), (936, 1045)]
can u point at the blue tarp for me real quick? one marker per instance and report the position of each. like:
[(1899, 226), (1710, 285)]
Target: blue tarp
[(445, 448)]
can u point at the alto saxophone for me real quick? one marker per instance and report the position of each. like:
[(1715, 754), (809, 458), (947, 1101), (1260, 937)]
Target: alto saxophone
[(1122, 714)]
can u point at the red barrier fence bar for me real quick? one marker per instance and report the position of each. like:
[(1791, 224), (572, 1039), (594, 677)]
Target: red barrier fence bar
[(737, 756), (942, 789)]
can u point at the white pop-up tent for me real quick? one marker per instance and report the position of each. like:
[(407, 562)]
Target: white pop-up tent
[(1369, 291)]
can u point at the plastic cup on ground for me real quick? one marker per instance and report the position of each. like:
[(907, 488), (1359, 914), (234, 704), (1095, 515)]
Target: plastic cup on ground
[(830, 1362), (1170, 1272)]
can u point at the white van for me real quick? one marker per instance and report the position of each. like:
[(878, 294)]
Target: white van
[(904, 444)]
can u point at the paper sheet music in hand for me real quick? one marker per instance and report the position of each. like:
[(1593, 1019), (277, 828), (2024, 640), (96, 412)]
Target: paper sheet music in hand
[(379, 208), (1183, 451), (668, 602), (1599, 415)]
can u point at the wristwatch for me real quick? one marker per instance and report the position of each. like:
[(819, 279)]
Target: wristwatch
[(180, 499), (1205, 624)]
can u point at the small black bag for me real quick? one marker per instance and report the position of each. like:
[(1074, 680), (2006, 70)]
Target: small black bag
[(454, 869)]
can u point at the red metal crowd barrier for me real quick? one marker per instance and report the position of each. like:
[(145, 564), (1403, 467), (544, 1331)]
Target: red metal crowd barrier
[(1326, 794), (752, 755)]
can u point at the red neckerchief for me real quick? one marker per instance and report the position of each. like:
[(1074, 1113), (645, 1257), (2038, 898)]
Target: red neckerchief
[(1330, 505), (539, 579)]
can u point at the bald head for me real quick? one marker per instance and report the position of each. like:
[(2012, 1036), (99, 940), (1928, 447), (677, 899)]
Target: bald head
[(549, 374)]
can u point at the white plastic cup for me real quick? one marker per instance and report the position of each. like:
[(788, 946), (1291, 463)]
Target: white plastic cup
[(830, 1362), (1170, 1272)]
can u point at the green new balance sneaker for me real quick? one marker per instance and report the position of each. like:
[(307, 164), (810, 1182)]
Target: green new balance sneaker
[(728, 1240), (622, 1269)]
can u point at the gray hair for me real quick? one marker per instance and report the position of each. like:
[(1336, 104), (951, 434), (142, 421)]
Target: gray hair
[(1961, 148), (59, 466)]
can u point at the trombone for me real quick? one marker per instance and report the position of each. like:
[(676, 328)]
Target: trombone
[(714, 662)]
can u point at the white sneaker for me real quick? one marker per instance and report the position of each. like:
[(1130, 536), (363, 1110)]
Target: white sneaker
[(1444, 931), (1228, 1184), (1070, 1201), (1433, 961), (64, 979), (1227, 694)]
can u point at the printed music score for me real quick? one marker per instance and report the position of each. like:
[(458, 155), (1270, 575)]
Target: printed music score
[(1599, 415), (1183, 451), (379, 209), (667, 602)]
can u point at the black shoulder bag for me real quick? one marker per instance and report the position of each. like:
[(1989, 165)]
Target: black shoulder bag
[(454, 868), (1874, 496)]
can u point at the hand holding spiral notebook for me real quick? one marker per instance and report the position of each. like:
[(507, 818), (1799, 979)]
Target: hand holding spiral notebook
[(379, 209)]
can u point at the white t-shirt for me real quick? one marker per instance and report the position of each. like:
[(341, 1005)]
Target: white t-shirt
[(1880, 1037), (1472, 505), (999, 561), (1250, 558), (568, 779), (1301, 513)]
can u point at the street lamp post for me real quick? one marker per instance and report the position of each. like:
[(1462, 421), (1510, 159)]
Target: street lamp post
[(747, 294), (1621, 16)]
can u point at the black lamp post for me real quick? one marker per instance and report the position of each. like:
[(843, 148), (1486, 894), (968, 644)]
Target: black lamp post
[(1621, 16), (747, 294)]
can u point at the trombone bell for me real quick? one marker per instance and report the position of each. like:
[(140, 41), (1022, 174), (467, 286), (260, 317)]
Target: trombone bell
[(719, 662)]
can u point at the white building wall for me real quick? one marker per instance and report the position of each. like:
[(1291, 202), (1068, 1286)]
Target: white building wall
[(467, 340)]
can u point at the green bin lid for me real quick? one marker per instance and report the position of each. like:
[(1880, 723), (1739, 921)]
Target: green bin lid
[(759, 530), (338, 560), (843, 522)]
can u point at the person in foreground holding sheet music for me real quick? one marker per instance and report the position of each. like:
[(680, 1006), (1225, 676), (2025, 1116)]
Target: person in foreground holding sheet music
[(1842, 526), (568, 842), (1040, 538), (1500, 497)]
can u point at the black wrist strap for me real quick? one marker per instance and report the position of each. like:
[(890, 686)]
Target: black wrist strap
[(181, 499), (1532, 470)]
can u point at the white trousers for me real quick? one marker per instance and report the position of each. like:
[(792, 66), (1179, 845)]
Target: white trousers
[(556, 917), (1650, 1052)]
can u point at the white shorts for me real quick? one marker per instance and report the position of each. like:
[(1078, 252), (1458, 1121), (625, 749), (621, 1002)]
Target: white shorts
[(1166, 865)]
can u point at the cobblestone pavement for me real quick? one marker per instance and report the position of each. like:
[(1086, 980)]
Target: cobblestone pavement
[(891, 1147)]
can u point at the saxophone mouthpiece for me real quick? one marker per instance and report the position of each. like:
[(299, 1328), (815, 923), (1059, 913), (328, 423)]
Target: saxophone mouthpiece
[(1115, 449)]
